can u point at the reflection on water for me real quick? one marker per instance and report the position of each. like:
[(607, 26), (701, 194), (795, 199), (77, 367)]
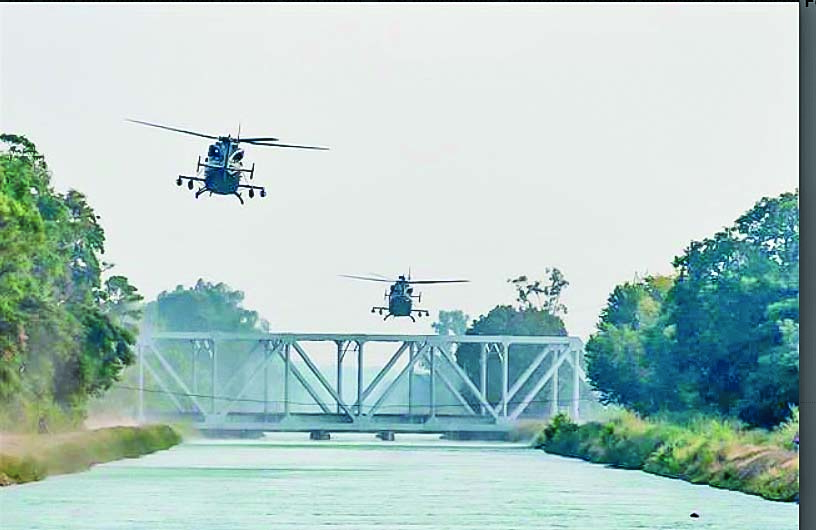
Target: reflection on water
[(356, 481)]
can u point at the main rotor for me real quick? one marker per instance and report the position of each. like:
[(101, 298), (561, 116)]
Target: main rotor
[(401, 279), (265, 141)]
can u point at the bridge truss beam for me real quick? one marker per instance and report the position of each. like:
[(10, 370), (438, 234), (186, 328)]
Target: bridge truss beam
[(438, 353)]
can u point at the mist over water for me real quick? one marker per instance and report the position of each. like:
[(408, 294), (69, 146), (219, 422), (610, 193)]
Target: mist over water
[(356, 481)]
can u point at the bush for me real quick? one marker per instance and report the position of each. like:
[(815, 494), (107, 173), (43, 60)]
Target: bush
[(79, 451), (711, 451)]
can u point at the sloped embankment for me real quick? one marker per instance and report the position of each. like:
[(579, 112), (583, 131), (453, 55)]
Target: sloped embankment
[(26, 458), (707, 453)]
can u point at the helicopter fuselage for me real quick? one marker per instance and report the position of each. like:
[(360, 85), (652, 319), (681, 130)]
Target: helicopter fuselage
[(222, 171), (400, 296), (220, 177), (399, 300)]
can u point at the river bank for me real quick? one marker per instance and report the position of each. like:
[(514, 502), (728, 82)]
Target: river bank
[(30, 457), (705, 452)]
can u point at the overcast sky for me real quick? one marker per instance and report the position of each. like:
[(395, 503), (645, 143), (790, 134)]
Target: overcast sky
[(479, 141)]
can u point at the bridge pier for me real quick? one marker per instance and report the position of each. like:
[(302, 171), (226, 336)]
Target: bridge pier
[(386, 436), (319, 435)]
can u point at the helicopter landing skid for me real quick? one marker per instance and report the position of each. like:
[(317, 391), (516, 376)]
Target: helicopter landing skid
[(392, 315), (239, 197)]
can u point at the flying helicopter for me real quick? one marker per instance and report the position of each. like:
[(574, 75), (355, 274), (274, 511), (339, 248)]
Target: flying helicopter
[(223, 165), (400, 295)]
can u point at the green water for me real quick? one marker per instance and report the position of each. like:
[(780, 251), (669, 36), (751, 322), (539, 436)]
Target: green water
[(358, 482)]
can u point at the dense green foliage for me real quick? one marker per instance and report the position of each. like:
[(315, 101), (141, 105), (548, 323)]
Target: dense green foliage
[(701, 451), (527, 318), (79, 451), (622, 358), (205, 307), (722, 336), (451, 323), (63, 331)]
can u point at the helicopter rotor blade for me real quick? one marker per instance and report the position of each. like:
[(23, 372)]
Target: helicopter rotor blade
[(173, 129), (264, 144), (437, 281), (367, 278), (259, 139)]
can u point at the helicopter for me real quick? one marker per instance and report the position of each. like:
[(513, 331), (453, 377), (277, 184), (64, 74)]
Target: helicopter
[(400, 295), (223, 165)]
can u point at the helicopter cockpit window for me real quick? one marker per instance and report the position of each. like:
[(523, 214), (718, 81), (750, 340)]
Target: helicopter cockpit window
[(238, 156), (214, 151)]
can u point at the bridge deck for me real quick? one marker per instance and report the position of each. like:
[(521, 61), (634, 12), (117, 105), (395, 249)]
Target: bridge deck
[(305, 422)]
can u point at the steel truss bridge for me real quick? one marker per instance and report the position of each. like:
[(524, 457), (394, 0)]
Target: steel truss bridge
[(266, 386)]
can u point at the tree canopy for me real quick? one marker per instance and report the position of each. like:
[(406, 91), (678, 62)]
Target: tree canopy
[(451, 323), (722, 336), (61, 338), (207, 307), (204, 307), (536, 315)]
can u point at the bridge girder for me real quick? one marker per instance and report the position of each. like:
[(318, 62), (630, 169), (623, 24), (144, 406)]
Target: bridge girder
[(360, 415)]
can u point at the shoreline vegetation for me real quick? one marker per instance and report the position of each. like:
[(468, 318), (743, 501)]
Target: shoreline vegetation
[(31, 457), (714, 452)]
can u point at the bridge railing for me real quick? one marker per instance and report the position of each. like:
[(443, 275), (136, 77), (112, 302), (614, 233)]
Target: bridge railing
[(438, 358)]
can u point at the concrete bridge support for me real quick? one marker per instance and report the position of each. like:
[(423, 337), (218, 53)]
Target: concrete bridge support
[(386, 436), (319, 435)]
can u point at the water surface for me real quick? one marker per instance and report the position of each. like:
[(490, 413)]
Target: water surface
[(358, 482)]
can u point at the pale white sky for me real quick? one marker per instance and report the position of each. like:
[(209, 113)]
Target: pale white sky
[(481, 141)]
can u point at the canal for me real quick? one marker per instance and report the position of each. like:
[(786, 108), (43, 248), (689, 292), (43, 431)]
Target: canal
[(358, 482)]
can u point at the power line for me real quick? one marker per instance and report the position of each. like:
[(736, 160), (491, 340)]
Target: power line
[(398, 405)]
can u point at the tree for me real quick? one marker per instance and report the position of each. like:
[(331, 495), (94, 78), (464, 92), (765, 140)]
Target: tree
[(551, 293), (621, 355), (58, 343), (451, 323), (122, 302), (734, 294), (723, 338), (527, 319), (204, 307)]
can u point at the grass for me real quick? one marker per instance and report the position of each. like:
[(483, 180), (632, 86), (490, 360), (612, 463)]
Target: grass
[(26, 458), (720, 453)]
